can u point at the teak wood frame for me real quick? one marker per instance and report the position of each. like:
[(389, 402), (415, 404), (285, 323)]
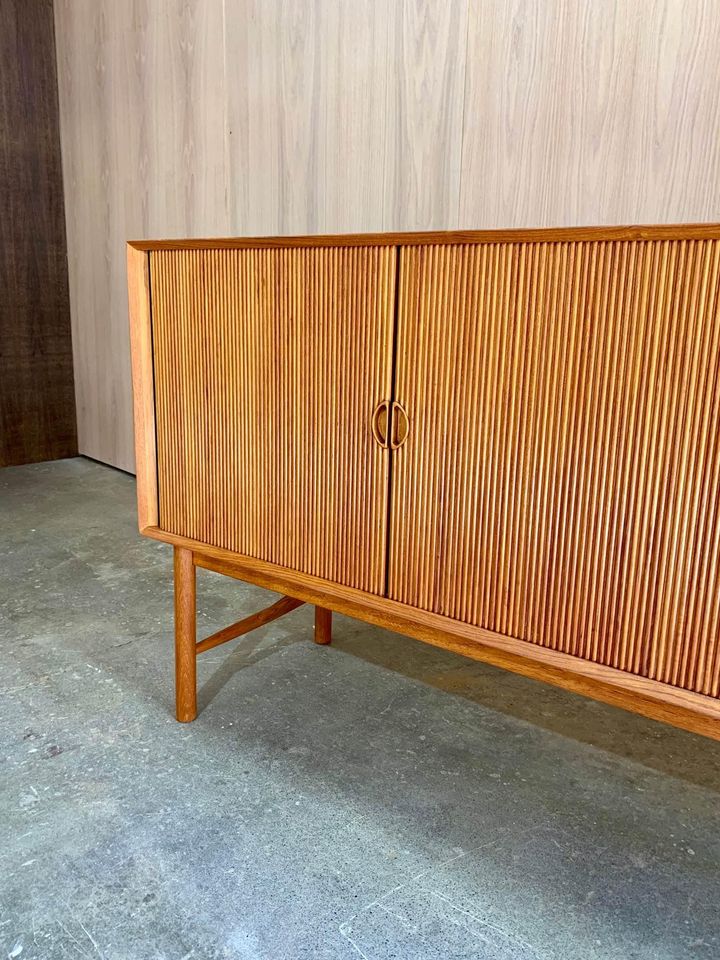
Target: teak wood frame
[(684, 708), (187, 646)]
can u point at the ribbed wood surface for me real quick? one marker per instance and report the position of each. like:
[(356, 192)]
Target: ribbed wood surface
[(268, 364), (561, 479)]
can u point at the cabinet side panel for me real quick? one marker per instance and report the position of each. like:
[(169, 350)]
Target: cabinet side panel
[(269, 364), (141, 347), (561, 481)]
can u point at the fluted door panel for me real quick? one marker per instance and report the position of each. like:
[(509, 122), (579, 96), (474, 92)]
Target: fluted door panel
[(268, 364), (561, 479)]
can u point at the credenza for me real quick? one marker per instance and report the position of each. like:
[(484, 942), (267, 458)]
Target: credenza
[(503, 443)]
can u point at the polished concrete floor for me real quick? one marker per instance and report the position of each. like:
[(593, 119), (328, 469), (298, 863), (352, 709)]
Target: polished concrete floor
[(377, 798)]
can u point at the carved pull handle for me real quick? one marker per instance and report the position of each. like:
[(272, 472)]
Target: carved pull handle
[(379, 422), (400, 425)]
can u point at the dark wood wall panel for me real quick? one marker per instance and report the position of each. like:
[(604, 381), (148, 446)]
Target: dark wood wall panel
[(37, 398)]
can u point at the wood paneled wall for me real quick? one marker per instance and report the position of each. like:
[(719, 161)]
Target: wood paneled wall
[(37, 399), (212, 117)]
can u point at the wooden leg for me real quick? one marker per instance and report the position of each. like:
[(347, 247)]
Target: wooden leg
[(323, 625), (185, 653)]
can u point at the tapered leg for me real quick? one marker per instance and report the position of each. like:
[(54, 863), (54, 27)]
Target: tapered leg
[(323, 625), (185, 653)]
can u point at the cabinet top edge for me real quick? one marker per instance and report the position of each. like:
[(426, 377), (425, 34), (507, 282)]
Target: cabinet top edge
[(665, 231)]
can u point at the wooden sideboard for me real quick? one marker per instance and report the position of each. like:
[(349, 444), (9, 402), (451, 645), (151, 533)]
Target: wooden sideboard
[(503, 443)]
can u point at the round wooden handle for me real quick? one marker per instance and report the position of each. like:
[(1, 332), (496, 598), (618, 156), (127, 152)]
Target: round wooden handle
[(400, 425), (380, 433)]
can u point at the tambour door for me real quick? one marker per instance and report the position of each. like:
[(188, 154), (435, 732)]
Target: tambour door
[(560, 481), (268, 365)]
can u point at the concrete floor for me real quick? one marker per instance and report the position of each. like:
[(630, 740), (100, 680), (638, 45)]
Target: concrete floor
[(378, 798)]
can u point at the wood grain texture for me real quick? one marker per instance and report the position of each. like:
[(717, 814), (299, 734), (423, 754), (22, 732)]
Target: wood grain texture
[(692, 711), (202, 117), (144, 152), (37, 399), (561, 480), (306, 114), (670, 231), (185, 633), (101, 354), (247, 624), (425, 83), (323, 626), (138, 266), (600, 112), (268, 365), (551, 454)]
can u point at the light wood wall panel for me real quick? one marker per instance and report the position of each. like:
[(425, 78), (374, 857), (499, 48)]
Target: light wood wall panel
[(141, 88), (306, 93), (425, 91), (100, 345), (211, 117), (591, 112), (561, 480)]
